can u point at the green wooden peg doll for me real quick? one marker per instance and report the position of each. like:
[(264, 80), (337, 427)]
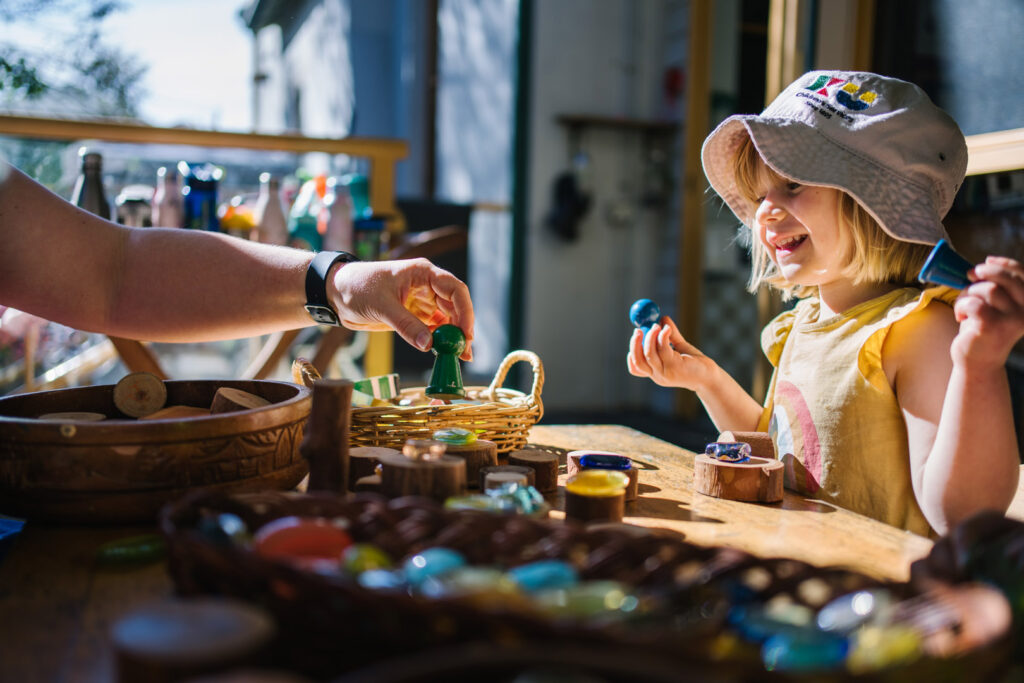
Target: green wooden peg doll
[(446, 377)]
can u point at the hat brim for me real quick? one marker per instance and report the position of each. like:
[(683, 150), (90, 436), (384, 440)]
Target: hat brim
[(801, 153)]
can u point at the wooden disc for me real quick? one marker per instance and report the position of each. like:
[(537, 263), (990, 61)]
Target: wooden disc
[(229, 399), (439, 478), (139, 394), (543, 463), (176, 639), (530, 476), (480, 453), (595, 508), (363, 461), (74, 416), (759, 480), (176, 413)]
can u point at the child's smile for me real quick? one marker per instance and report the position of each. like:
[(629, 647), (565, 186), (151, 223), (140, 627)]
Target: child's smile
[(799, 226)]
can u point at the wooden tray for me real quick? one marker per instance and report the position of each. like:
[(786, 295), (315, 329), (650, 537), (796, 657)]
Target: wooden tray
[(124, 470)]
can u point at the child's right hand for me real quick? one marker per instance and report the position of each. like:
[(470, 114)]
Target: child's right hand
[(667, 358), (990, 313)]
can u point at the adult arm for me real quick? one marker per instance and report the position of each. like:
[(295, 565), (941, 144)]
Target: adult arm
[(161, 284)]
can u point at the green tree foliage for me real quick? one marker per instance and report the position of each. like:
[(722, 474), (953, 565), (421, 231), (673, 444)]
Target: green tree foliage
[(85, 76)]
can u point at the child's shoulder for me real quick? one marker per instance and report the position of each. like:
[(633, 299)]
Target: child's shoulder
[(921, 339)]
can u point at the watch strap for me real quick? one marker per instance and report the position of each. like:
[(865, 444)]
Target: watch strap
[(318, 305)]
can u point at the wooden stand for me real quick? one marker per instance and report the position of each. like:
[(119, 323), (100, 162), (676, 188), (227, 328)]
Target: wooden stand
[(363, 461), (543, 463), (595, 508), (530, 476), (480, 453), (439, 479), (325, 445), (758, 480)]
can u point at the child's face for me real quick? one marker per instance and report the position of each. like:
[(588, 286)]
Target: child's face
[(799, 227)]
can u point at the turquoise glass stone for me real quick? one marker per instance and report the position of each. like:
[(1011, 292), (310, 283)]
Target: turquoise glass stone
[(382, 580), (361, 557), (805, 650), (545, 574), (431, 562)]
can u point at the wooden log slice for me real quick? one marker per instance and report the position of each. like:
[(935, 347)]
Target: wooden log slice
[(480, 453), (325, 444), (229, 399), (74, 416), (181, 639), (530, 476), (595, 508), (363, 461), (438, 478), (139, 394), (176, 413), (543, 463), (759, 480)]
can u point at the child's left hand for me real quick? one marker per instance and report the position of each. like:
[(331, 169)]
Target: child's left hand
[(990, 312)]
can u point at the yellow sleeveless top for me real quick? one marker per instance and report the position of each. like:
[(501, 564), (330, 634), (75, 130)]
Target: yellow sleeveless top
[(831, 412)]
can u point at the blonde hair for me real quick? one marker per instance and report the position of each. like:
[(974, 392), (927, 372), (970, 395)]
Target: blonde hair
[(874, 256)]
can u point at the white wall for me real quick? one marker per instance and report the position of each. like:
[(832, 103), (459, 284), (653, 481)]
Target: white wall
[(600, 57)]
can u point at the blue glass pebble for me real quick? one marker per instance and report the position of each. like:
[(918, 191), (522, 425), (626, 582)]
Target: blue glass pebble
[(544, 574), (805, 650), (728, 451), (431, 562), (603, 461)]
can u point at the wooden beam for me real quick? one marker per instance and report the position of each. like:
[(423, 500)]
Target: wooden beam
[(994, 152), (690, 262)]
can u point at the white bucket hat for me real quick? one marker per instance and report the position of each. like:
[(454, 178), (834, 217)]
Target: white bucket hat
[(879, 139)]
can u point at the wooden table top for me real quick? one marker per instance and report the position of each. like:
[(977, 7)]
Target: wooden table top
[(57, 606)]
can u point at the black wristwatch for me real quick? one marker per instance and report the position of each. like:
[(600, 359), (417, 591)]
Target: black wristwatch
[(317, 303)]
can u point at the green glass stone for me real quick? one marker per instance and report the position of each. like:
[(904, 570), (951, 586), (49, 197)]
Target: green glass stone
[(362, 557), (455, 436)]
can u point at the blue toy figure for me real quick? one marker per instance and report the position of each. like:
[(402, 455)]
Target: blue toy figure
[(945, 267)]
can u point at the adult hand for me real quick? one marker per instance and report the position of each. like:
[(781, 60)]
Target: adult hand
[(411, 297), (990, 312)]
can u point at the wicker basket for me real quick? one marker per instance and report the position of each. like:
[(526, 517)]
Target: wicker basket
[(505, 418), (331, 624)]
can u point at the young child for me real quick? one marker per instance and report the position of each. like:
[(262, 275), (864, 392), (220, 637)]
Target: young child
[(887, 399)]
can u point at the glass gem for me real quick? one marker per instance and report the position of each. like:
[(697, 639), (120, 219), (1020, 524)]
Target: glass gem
[(431, 562), (597, 483), (544, 574)]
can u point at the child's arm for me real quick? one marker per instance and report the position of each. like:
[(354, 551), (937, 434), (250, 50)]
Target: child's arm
[(952, 387), (671, 361)]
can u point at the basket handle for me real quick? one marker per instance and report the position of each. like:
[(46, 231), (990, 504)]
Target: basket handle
[(509, 360), (304, 372)]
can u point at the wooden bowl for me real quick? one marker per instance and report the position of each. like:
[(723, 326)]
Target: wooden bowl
[(124, 470)]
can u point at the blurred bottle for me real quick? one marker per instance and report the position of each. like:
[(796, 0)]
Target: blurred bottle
[(368, 236), (168, 203), (88, 193), (200, 195), (133, 206), (307, 220), (271, 224), (358, 188), (339, 217)]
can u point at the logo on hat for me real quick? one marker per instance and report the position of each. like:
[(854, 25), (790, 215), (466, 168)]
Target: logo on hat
[(844, 92)]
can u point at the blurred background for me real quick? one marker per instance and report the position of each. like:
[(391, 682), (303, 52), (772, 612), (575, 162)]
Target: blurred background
[(547, 151)]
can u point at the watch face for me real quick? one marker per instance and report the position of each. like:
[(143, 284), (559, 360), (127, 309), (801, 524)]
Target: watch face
[(322, 314)]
